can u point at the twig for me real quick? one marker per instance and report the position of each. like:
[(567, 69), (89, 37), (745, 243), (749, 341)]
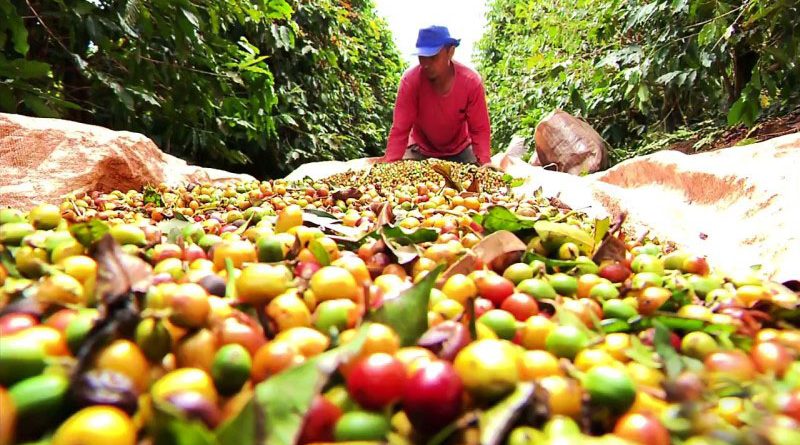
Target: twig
[(47, 28), (741, 13), (175, 65)]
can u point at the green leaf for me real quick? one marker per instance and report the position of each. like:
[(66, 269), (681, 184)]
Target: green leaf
[(7, 100), (641, 354), (31, 69), (191, 18), (501, 218), (736, 113), (89, 233), (563, 232), (404, 254), (407, 313), (678, 323), (512, 181), (173, 228), (7, 260), (611, 325), (663, 346), (568, 318), (276, 413), (601, 227), (404, 237), (495, 422), (679, 298), (151, 195), (643, 95), (331, 223), (562, 265), (19, 34), (708, 34), (170, 429), (38, 106), (319, 252), (720, 329), (230, 285)]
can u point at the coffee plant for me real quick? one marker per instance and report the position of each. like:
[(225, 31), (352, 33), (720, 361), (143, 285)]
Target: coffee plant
[(253, 85), (635, 68)]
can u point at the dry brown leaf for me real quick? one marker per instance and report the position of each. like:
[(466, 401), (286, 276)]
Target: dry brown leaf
[(475, 185), (345, 194), (445, 172), (385, 216), (499, 246), (117, 272), (610, 249)]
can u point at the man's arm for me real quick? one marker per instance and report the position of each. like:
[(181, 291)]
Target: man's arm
[(479, 127), (405, 114)]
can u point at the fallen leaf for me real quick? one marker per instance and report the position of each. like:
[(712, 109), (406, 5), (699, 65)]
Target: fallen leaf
[(121, 280), (345, 194), (118, 274), (276, 413), (463, 265), (663, 346), (89, 233), (444, 171), (500, 218), (330, 223), (151, 195), (320, 213), (319, 252), (461, 423), (407, 313), (559, 204), (495, 422), (601, 230), (559, 233), (475, 185), (585, 266), (488, 250), (7, 260), (610, 249), (405, 237), (385, 216)]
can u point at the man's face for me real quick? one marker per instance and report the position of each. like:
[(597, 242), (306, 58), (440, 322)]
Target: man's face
[(436, 66)]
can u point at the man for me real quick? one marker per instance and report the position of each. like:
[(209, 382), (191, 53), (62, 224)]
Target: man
[(441, 107)]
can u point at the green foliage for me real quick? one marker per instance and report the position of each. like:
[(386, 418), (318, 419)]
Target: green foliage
[(633, 68), (337, 84), (255, 85)]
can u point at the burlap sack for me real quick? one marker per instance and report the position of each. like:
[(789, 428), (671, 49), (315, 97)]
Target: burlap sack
[(41, 160), (516, 148), (569, 143)]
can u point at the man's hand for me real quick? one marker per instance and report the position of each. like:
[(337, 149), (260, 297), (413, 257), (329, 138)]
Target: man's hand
[(490, 166)]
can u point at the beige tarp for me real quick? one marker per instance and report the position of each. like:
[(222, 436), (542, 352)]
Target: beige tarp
[(737, 206)]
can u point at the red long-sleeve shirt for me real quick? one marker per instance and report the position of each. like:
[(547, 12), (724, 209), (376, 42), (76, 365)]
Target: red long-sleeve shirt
[(442, 125)]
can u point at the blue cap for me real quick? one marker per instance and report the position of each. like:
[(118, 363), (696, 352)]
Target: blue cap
[(431, 40)]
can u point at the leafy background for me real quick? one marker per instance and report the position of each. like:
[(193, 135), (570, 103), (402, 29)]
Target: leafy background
[(259, 86), (643, 73)]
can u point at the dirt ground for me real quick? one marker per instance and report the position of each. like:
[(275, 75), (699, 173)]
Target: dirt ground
[(768, 128)]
